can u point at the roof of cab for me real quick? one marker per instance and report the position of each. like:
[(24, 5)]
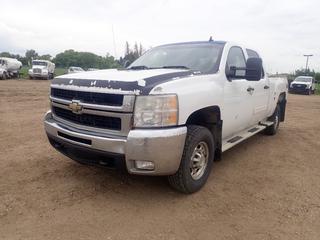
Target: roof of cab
[(195, 42)]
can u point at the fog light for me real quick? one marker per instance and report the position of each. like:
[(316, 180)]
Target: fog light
[(144, 165)]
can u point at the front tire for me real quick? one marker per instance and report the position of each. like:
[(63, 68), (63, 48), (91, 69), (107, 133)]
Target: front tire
[(309, 91), (272, 130), (196, 162)]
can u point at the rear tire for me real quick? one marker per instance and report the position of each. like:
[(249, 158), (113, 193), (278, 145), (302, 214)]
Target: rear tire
[(196, 162), (275, 118)]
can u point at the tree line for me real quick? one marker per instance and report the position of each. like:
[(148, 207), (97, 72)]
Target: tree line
[(81, 59)]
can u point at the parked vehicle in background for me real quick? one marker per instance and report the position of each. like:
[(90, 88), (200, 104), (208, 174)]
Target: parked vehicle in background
[(75, 70), (93, 69), (10, 67), (42, 69), (3, 74), (171, 112), (303, 84)]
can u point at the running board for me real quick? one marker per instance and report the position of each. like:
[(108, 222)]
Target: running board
[(266, 123), (243, 135)]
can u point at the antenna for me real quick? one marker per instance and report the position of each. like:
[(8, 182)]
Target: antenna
[(210, 39)]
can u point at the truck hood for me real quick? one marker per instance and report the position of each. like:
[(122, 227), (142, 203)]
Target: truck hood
[(117, 80), (302, 83)]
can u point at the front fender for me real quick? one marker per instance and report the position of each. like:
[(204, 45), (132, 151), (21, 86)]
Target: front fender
[(194, 93)]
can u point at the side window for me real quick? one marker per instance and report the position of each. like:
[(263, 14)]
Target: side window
[(251, 53), (235, 59)]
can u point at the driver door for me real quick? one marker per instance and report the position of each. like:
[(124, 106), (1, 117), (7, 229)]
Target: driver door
[(238, 100)]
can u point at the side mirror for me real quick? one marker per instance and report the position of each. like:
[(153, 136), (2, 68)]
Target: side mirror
[(126, 64), (254, 69)]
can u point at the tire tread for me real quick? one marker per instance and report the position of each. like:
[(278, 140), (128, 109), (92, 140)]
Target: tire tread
[(177, 180)]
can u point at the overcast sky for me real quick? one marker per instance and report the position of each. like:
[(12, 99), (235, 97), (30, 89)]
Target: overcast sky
[(281, 30)]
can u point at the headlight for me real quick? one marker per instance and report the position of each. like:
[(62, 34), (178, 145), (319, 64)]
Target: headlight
[(30, 71), (45, 70), (156, 111)]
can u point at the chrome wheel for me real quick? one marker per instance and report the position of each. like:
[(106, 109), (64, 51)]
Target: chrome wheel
[(199, 160)]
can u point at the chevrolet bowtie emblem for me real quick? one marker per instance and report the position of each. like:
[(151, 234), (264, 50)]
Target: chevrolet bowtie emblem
[(76, 107)]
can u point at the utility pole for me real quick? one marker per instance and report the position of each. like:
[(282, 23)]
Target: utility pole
[(114, 44), (307, 55)]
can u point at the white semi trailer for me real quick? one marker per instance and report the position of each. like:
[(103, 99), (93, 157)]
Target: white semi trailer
[(10, 67)]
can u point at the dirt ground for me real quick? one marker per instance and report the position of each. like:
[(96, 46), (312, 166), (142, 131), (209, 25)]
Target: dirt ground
[(265, 188)]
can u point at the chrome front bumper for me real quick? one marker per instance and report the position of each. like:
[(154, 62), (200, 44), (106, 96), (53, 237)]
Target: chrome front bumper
[(163, 147), (38, 74)]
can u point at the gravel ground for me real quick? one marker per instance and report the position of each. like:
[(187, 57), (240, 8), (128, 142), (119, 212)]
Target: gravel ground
[(265, 188)]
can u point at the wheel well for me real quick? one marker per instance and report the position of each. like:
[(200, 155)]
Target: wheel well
[(209, 117), (282, 101)]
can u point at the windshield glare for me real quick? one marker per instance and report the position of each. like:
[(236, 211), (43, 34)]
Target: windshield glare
[(303, 79), (39, 63), (197, 57)]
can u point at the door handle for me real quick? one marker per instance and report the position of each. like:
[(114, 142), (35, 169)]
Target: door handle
[(250, 89), (266, 87)]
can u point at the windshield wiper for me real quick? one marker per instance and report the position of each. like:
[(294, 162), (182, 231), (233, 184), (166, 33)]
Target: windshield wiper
[(184, 67), (138, 67)]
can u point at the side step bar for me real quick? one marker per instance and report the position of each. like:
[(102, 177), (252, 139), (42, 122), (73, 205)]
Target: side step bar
[(266, 123), (243, 135)]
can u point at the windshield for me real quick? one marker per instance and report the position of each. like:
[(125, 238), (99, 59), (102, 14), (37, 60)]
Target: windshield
[(39, 63), (303, 79), (203, 57)]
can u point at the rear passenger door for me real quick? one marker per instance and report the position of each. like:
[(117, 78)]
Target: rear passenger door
[(260, 95)]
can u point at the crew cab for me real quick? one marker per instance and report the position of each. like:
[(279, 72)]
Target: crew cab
[(172, 112), (303, 84), (42, 69)]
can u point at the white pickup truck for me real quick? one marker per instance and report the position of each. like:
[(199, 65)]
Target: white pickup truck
[(303, 84), (172, 112)]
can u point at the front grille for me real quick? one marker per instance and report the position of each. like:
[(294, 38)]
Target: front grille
[(36, 70), (88, 97), (90, 120), (299, 86)]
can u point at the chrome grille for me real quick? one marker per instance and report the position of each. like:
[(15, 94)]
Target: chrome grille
[(36, 70), (105, 122), (100, 112)]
